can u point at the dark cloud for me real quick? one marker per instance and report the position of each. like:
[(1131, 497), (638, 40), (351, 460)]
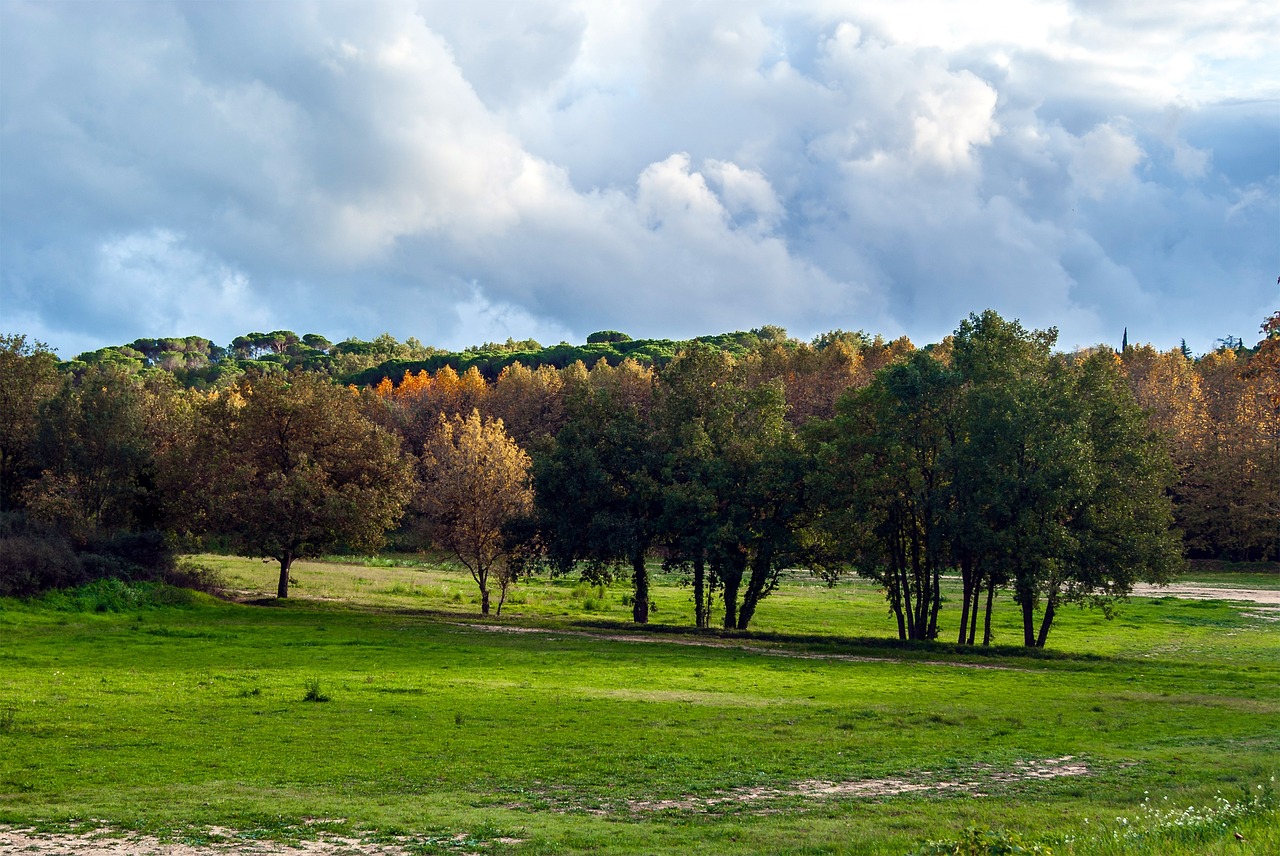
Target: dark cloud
[(467, 173)]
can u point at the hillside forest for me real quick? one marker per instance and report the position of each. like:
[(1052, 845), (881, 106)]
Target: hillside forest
[(1038, 478)]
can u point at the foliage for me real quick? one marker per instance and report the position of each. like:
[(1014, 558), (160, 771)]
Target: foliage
[(475, 483), (28, 377), (96, 451), (287, 469), (596, 495), (983, 842)]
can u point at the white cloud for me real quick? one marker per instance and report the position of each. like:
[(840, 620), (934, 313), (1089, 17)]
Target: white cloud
[(1104, 159), (157, 284), (448, 171)]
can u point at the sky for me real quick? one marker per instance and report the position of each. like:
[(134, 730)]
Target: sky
[(465, 172)]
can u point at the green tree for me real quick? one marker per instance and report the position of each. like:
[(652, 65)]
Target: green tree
[(1064, 486), (731, 480), (288, 468), (28, 378), (475, 483), (887, 460), (96, 453), (596, 492)]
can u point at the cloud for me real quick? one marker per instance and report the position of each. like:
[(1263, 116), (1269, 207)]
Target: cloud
[(1103, 159), (457, 173)]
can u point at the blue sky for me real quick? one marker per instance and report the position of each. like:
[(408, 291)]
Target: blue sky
[(465, 172)]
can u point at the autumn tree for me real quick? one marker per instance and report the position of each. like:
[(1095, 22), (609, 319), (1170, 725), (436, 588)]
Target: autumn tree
[(530, 402), (288, 468), (475, 482)]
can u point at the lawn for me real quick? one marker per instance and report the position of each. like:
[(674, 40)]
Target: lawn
[(558, 728)]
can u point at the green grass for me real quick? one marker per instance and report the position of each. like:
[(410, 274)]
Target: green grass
[(177, 714)]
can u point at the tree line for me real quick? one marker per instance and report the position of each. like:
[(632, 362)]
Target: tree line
[(1054, 478)]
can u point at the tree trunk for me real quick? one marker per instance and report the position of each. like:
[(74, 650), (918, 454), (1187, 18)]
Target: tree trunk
[(640, 579), (986, 623), (286, 562), (731, 576), (484, 600), (966, 576), (701, 607), (757, 587), (1028, 620), (974, 607), (1050, 606)]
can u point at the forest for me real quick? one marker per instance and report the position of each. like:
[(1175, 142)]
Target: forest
[(1038, 477)]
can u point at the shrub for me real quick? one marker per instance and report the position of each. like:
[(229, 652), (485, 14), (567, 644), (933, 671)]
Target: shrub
[(32, 563), (314, 691), (189, 575)]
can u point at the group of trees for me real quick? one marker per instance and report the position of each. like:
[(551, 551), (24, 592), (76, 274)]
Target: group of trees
[(1012, 466), (1053, 477)]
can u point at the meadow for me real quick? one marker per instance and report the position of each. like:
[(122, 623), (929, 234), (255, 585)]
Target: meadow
[(377, 704)]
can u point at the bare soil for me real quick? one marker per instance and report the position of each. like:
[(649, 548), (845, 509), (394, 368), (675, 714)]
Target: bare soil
[(1197, 591)]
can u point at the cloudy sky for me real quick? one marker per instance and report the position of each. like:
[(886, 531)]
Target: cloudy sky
[(468, 171)]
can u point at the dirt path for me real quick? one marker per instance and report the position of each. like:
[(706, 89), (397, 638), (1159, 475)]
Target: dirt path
[(106, 842), (1196, 591)]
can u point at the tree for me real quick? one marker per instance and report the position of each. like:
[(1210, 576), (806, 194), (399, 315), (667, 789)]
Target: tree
[(288, 468), (28, 377), (1065, 486), (475, 482), (96, 453), (596, 492), (731, 480), (529, 402), (888, 460)]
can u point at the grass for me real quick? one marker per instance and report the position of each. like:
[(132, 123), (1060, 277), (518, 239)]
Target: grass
[(177, 714)]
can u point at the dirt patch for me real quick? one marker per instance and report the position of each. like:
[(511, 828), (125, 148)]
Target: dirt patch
[(983, 778), (108, 842), (1194, 591)]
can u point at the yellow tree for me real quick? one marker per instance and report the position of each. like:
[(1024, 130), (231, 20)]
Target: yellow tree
[(475, 482), (530, 402)]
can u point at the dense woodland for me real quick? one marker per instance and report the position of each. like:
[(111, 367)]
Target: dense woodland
[(1039, 478)]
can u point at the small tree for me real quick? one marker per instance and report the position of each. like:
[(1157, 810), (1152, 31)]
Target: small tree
[(287, 468), (475, 482)]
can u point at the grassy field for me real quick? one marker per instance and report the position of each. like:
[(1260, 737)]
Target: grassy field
[(376, 703)]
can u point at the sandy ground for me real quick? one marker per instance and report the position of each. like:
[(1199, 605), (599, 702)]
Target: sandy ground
[(1195, 591), (101, 843)]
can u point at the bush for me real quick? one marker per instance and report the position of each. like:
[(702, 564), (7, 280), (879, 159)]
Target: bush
[(980, 842), (36, 557), (129, 555), (30, 564), (114, 595), (315, 692), (189, 575)]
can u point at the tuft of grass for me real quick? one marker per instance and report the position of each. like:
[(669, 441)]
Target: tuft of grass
[(315, 692)]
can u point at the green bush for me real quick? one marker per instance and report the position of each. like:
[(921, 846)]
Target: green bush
[(983, 842), (114, 595)]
